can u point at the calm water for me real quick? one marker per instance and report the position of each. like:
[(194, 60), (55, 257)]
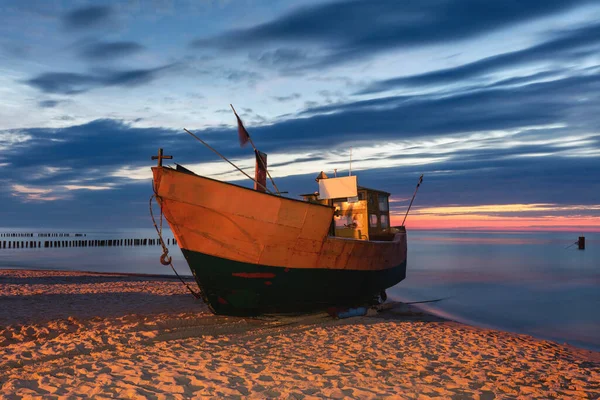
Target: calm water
[(520, 282)]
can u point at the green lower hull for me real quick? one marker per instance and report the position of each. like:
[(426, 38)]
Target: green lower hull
[(237, 288)]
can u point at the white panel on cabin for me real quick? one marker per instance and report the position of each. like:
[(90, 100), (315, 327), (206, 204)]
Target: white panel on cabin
[(335, 188)]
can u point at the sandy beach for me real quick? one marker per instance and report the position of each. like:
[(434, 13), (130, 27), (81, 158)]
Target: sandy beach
[(72, 334)]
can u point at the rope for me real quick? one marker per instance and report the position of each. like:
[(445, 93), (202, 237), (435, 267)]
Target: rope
[(571, 245), (165, 259), (225, 158), (427, 301)]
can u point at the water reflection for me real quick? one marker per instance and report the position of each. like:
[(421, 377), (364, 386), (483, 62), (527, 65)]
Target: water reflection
[(522, 282)]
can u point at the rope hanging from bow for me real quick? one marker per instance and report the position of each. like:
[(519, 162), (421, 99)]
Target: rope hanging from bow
[(165, 258)]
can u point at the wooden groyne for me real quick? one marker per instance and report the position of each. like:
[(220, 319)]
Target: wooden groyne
[(38, 244), (54, 234)]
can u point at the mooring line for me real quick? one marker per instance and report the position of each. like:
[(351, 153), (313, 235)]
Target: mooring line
[(165, 259)]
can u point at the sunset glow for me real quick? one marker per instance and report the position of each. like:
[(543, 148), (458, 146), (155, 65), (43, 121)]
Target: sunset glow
[(503, 217)]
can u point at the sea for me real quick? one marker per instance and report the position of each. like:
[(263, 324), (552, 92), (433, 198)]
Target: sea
[(534, 283)]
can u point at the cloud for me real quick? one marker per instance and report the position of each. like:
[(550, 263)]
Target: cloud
[(545, 180), (13, 139), (75, 83), (49, 103), (47, 193), (405, 117), (91, 145), (29, 193), (133, 77), (29, 190), (569, 102), (293, 96), (64, 82), (476, 168), (567, 46), (310, 158), (102, 51), (86, 187), (241, 75), (333, 33), (283, 57), (87, 17), (45, 172)]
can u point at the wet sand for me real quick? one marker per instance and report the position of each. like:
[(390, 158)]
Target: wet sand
[(74, 334)]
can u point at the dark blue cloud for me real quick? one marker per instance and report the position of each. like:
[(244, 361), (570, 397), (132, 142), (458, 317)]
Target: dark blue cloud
[(100, 51), (242, 76), (293, 96), (280, 58), (49, 103), (100, 143), (536, 180), (312, 157), (566, 46), (87, 17), (520, 80), (63, 82), (402, 117), (551, 179), (74, 83), (569, 101), (355, 29)]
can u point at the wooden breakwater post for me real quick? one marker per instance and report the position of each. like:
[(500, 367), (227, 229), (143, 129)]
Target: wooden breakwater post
[(581, 243), (33, 244)]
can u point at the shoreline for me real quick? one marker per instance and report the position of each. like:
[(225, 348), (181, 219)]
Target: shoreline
[(84, 272), (490, 326), (66, 333), (398, 298)]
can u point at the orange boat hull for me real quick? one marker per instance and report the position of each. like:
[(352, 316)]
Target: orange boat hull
[(252, 252)]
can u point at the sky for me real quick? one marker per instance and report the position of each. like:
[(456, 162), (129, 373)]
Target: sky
[(496, 103)]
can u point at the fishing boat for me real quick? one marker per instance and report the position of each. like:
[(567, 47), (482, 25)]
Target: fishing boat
[(252, 251)]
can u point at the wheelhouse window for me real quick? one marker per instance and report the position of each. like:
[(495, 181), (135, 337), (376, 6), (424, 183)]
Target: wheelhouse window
[(342, 221), (383, 203), (373, 220), (385, 222), (371, 199)]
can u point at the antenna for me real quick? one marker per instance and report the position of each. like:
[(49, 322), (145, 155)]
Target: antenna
[(350, 170), (413, 198)]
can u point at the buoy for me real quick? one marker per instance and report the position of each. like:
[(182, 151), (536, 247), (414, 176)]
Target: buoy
[(581, 242)]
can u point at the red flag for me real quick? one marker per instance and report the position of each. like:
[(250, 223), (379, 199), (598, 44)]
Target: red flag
[(242, 132)]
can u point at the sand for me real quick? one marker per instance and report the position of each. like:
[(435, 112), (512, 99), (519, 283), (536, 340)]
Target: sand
[(75, 334)]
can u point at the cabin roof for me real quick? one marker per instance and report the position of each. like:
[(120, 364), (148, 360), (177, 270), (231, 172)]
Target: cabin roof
[(373, 190), (359, 188)]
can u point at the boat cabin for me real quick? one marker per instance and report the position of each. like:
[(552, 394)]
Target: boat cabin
[(360, 212)]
